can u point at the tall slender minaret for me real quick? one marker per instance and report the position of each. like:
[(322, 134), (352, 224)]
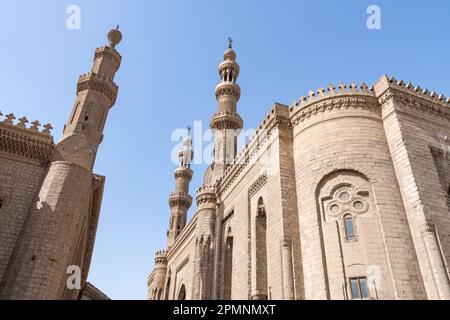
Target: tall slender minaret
[(38, 266), (180, 201), (226, 122)]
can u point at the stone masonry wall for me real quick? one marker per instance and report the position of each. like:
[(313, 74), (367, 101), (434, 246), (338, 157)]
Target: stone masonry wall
[(348, 135), (20, 180)]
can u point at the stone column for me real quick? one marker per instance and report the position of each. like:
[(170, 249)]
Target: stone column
[(438, 268), (288, 276)]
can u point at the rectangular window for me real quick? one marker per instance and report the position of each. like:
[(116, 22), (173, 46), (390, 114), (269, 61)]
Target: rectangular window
[(349, 228), (359, 288)]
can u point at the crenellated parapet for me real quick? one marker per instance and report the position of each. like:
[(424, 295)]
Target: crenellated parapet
[(160, 258), (206, 195), (389, 88), (30, 141), (342, 97), (98, 82)]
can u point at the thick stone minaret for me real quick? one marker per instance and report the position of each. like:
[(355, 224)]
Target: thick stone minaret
[(226, 122), (37, 269), (180, 201)]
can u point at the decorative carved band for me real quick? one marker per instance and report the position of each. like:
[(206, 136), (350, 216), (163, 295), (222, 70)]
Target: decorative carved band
[(206, 194), (180, 199), (226, 121), (183, 173), (228, 89), (361, 102), (257, 185), (161, 257), (415, 102), (98, 82), (25, 144)]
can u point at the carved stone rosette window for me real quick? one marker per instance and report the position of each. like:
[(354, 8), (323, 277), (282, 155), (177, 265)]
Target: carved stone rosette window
[(345, 205), (346, 200)]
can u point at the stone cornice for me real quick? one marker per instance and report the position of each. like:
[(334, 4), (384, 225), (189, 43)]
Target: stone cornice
[(226, 120), (206, 194), (228, 89), (98, 82), (391, 89), (257, 185), (26, 142), (184, 173), (344, 97)]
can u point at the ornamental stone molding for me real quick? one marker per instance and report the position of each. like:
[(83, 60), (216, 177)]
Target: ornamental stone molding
[(226, 120), (228, 89), (346, 200), (29, 142), (351, 97), (180, 199), (99, 83), (206, 195), (184, 173), (413, 96), (257, 185)]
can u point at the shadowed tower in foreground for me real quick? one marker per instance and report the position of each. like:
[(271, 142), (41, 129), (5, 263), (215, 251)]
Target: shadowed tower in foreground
[(59, 228)]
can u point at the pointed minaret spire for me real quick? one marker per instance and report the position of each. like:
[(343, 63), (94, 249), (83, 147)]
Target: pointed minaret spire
[(180, 201), (226, 122)]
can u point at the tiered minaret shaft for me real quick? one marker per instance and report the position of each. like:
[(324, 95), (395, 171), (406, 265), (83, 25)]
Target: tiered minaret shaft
[(226, 122), (180, 201), (37, 270)]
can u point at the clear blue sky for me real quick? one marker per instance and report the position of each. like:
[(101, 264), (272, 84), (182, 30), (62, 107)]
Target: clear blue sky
[(171, 50)]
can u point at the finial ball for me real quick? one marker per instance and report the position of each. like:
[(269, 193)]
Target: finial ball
[(114, 37)]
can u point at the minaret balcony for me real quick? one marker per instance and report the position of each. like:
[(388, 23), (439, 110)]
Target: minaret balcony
[(228, 88), (226, 120), (180, 199)]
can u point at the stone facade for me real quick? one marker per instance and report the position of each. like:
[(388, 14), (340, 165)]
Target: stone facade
[(343, 195), (50, 198)]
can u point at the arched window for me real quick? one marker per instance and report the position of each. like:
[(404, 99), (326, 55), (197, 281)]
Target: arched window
[(349, 225), (261, 251), (228, 268), (182, 293)]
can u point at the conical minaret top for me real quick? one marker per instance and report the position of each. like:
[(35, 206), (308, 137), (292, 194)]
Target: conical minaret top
[(226, 122)]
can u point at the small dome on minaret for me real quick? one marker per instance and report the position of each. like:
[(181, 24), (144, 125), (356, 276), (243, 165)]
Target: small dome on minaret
[(114, 37), (229, 53), (229, 68)]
